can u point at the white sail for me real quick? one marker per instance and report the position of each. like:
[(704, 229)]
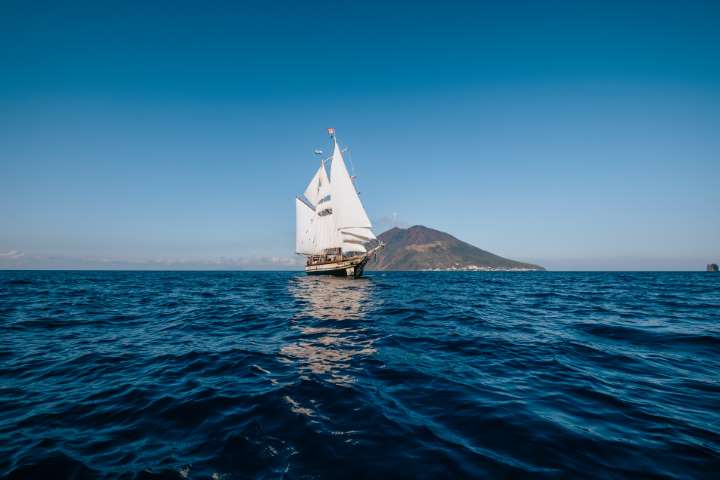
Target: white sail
[(319, 182), (304, 228), (347, 208), (362, 233), (353, 247), (326, 234)]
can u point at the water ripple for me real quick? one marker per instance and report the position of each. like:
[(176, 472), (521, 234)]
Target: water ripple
[(411, 375)]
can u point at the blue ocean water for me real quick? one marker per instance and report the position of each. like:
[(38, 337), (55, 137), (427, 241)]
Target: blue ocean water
[(398, 375)]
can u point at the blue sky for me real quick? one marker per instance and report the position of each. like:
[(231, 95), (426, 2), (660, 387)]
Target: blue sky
[(578, 135)]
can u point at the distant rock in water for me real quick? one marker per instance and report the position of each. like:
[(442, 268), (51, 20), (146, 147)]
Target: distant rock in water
[(422, 248), (712, 267)]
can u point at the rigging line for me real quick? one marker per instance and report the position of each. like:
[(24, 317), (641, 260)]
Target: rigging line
[(352, 165), (342, 150), (353, 177)]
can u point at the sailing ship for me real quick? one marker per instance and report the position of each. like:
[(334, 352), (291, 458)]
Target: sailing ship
[(331, 225)]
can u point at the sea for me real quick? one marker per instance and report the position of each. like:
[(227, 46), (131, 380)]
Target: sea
[(235, 375)]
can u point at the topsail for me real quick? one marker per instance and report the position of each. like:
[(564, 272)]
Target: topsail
[(312, 192)]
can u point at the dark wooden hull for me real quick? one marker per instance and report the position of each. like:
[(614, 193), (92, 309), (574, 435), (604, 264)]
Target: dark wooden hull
[(347, 267), (351, 267), (341, 272)]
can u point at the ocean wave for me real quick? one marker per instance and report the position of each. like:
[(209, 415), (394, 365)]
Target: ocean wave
[(229, 375)]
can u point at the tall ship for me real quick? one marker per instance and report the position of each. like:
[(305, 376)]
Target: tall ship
[(331, 225)]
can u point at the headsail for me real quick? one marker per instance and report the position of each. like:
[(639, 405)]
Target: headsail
[(350, 212), (351, 219)]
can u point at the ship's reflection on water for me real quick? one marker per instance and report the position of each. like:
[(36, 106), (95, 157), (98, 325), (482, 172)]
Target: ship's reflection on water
[(331, 327)]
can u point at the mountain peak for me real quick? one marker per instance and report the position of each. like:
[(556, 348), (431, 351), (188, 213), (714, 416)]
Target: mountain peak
[(414, 228)]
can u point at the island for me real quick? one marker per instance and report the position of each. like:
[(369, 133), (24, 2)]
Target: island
[(423, 248)]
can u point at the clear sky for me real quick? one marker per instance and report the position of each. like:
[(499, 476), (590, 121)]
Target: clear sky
[(578, 135)]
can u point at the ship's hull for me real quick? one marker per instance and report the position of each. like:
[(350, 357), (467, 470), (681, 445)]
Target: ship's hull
[(349, 267)]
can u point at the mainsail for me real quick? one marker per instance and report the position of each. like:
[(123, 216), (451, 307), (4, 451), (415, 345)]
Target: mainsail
[(337, 219)]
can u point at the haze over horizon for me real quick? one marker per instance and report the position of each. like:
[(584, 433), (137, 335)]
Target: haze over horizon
[(176, 135)]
